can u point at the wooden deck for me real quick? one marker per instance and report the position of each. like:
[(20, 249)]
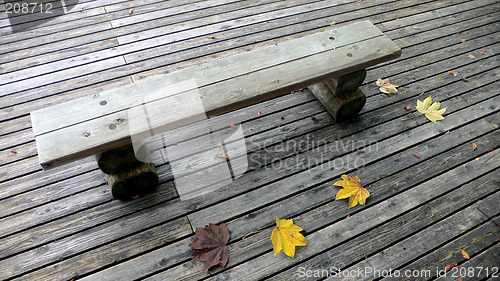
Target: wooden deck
[(432, 195)]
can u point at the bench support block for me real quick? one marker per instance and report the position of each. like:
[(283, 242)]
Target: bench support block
[(128, 176), (341, 96)]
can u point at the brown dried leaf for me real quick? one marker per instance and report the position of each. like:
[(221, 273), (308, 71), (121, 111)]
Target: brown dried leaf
[(210, 245), (482, 53), (408, 107), (465, 255), (450, 266), (260, 113), (366, 257), (13, 151), (135, 196), (432, 215), (490, 149), (131, 11), (386, 86), (404, 90), (472, 56), (416, 155), (211, 37), (474, 146)]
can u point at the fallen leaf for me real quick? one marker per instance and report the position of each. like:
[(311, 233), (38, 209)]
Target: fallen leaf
[(408, 107), (450, 266), (282, 117), (366, 257), (210, 245), (332, 23), (131, 11), (386, 86), (13, 151), (211, 37), (299, 147), (135, 196), (477, 159), (447, 132), (260, 113), (224, 155), (421, 93), (474, 146), (219, 144), (276, 20), (416, 155), (352, 189), (348, 216), (463, 40), (490, 149), (232, 125), (465, 255), (482, 53), (404, 89), (286, 236), (432, 215), (452, 73), (432, 112), (313, 118), (472, 56)]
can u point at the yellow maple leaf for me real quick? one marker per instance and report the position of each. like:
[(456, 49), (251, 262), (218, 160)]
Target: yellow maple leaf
[(286, 236), (386, 86), (352, 189), (431, 110)]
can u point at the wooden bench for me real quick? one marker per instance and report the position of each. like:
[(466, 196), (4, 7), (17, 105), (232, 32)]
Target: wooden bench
[(331, 63)]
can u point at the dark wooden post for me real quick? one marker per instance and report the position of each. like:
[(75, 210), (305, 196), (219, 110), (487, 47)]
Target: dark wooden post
[(128, 176), (341, 96)]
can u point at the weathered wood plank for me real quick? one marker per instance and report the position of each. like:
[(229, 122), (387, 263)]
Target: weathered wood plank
[(401, 201), (239, 92), (332, 211), (149, 64), (208, 73), (425, 240), (487, 259), (102, 235), (339, 232), (300, 181), (472, 242)]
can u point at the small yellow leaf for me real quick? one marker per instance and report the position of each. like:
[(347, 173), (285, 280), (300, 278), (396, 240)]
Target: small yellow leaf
[(219, 144), (465, 255), (286, 236), (431, 110), (474, 146), (352, 189), (463, 40)]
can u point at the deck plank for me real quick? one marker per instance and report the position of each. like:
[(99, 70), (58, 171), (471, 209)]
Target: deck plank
[(63, 224)]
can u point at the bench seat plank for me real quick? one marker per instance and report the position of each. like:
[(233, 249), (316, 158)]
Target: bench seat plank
[(83, 109), (223, 86)]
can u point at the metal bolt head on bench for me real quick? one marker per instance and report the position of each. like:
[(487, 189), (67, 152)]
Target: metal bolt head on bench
[(332, 63)]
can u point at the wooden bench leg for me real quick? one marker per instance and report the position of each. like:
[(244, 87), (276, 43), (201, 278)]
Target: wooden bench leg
[(341, 96), (127, 175)]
